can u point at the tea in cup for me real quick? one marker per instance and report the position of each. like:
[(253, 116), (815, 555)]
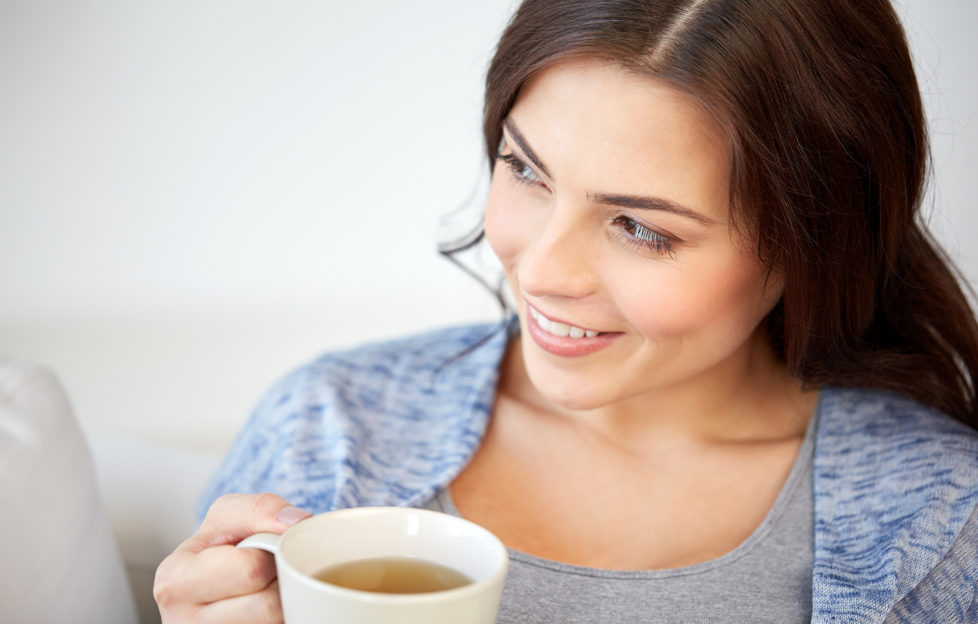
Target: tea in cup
[(387, 565)]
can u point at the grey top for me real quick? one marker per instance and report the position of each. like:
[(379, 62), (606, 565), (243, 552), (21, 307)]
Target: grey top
[(768, 578)]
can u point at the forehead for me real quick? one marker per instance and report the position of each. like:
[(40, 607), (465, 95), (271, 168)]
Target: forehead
[(608, 101), (615, 130)]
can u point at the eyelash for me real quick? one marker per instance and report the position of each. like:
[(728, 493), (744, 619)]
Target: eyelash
[(633, 232), (518, 169)]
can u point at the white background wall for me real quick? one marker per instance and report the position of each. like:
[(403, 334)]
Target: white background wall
[(197, 195)]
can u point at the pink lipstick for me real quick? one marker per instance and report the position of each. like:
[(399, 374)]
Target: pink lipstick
[(564, 339)]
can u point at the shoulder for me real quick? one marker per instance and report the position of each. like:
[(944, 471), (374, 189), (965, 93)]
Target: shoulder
[(381, 423), (896, 488), (869, 426), (881, 448), (407, 366)]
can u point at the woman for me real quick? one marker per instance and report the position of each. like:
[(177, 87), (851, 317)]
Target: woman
[(740, 381)]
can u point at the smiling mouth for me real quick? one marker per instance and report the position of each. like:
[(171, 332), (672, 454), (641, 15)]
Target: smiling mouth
[(556, 328)]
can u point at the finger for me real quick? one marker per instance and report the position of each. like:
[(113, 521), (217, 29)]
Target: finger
[(217, 573), (264, 607), (234, 517)]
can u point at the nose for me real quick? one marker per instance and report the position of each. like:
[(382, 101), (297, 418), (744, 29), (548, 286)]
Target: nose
[(559, 259)]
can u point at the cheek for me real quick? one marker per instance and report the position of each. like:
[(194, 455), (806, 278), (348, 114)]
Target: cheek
[(503, 227), (725, 300)]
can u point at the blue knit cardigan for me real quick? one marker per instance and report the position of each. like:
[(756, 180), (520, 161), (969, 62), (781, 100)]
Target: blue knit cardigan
[(392, 423)]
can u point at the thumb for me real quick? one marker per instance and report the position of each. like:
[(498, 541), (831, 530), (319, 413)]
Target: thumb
[(234, 517)]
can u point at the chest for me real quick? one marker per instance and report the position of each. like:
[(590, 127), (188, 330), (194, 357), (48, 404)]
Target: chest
[(561, 499)]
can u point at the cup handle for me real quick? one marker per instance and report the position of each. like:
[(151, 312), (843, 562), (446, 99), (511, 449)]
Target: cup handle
[(264, 541)]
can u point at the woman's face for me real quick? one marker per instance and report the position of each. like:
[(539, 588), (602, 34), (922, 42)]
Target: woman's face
[(609, 212)]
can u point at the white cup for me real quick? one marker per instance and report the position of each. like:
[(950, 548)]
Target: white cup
[(369, 532)]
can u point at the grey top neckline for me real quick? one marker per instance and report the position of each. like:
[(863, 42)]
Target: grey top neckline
[(800, 469)]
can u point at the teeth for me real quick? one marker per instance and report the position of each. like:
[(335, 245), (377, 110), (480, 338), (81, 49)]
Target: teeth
[(560, 329)]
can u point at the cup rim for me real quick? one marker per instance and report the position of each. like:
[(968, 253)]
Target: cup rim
[(474, 587)]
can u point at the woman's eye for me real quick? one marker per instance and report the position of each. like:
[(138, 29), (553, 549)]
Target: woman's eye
[(520, 170), (637, 234)]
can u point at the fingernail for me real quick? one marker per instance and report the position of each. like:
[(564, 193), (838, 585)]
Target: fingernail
[(291, 515)]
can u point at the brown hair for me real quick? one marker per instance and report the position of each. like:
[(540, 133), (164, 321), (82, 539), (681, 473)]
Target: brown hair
[(829, 152)]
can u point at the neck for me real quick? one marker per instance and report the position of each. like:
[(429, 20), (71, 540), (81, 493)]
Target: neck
[(751, 399)]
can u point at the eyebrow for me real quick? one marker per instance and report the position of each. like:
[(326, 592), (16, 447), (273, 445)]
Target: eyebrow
[(520, 140), (636, 202), (649, 203)]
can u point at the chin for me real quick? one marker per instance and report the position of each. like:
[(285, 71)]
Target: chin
[(568, 394)]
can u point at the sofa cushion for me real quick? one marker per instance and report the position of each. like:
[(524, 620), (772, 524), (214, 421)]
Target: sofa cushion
[(60, 562)]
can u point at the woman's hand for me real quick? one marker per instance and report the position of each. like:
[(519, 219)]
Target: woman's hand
[(208, 579)]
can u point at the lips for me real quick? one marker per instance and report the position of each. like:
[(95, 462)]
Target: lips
[(564, 339), (557, 328)]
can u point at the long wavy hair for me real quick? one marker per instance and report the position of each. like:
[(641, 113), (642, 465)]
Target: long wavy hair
[(828, 142)]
